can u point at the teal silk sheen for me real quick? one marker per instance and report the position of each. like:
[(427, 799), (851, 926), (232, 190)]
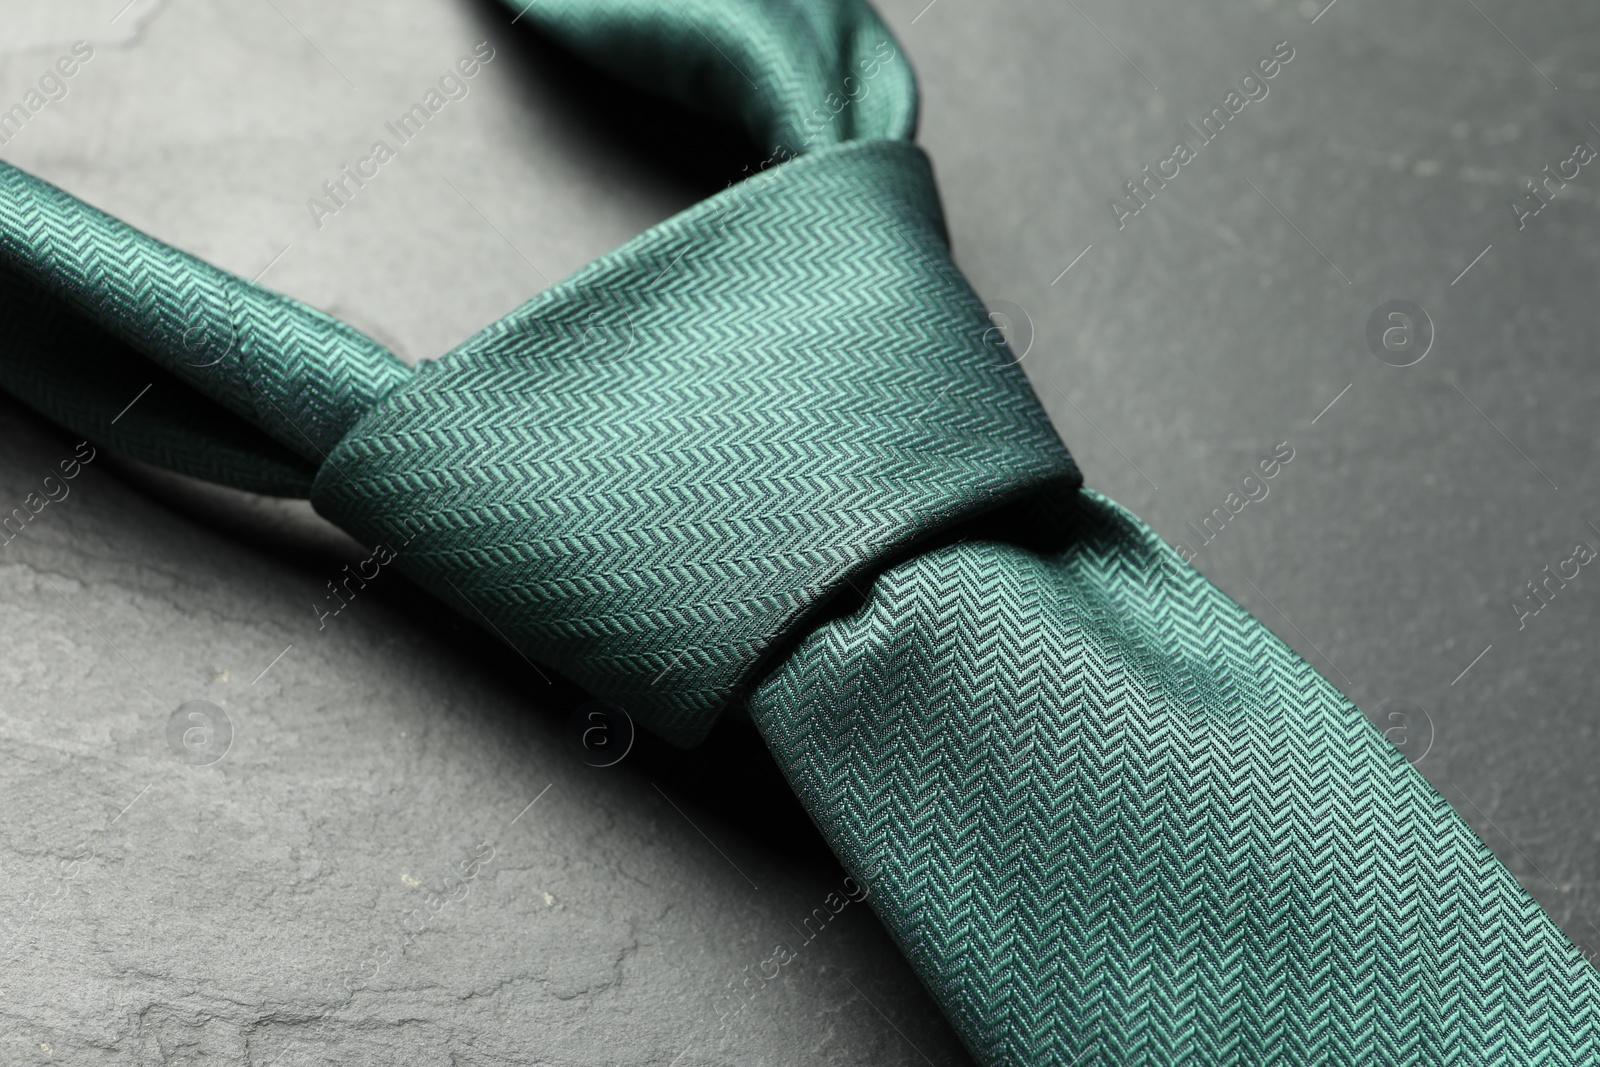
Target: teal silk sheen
[(763, 453), (1114, 820), (679, 454)]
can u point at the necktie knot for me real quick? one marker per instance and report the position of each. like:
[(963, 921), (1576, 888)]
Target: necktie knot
[(657, 469), (651, 474)]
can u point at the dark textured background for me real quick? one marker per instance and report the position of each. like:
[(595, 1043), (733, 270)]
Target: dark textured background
[(154, 912)]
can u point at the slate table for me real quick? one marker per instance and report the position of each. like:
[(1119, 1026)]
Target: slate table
[(268, 906)]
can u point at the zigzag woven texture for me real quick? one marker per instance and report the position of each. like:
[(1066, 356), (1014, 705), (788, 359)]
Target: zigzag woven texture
[(85, 377), (778, 68), (218, 347), (1111, 819), (653, 472)]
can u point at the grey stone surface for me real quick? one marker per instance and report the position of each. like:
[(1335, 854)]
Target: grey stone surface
[(160, 911)]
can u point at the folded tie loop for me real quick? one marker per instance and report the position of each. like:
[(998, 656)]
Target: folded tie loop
[(795, 74)]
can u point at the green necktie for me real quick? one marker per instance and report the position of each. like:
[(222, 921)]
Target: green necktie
[(764, 453)]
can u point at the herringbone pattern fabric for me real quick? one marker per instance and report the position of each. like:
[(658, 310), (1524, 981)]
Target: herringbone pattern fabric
[(781, 69), (84, 377), (221, 348), (764, 451), (651, 473), (1112, 819)]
